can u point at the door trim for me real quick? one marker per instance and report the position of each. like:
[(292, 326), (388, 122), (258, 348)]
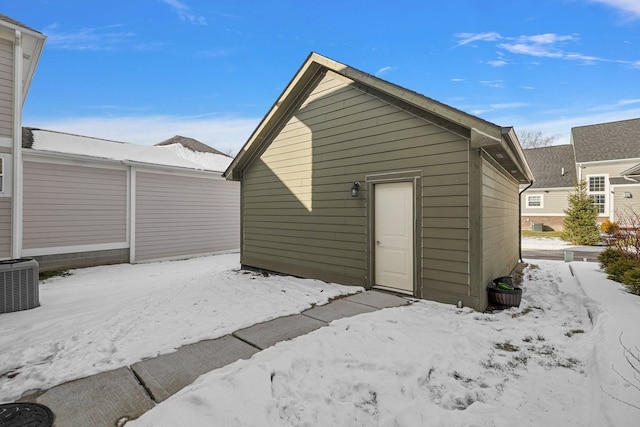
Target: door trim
[(414, 176)]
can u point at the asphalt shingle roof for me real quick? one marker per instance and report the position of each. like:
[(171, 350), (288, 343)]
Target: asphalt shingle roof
[(546, 163), (607, 141)]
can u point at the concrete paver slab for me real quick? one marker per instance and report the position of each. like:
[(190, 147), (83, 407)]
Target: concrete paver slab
[(96, 401), (165, 375), (337, 310), (266, 334), (378, 299)]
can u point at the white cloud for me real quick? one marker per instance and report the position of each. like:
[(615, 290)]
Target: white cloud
[(100, 38), (467, 38), (479, 111), (384, 70), (628, 101), (508, 105), (184, 12), (457, 80), (530, 49), (227, 134), (547, 45), (476, 110), (548, 38), (497, 63), (561, 127), (492, 83), (632, 6)]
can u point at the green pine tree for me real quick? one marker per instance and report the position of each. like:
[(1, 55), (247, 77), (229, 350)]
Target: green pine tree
[(580, 223)]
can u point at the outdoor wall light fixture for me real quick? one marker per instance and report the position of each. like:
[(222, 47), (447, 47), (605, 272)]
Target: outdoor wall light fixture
[(627, 195), (355, 188)]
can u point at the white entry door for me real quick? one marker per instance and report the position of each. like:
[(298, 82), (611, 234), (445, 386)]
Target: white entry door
[(394, 235)]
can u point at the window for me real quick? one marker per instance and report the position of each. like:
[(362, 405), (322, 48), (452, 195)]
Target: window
[(596, 184), (599, 201), (597, 189), (534, 201)]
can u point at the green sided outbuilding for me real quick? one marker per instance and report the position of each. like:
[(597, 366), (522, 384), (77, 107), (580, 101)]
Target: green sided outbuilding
[(354, 180)]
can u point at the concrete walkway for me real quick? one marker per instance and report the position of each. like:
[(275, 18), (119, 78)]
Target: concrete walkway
[(111, 398)]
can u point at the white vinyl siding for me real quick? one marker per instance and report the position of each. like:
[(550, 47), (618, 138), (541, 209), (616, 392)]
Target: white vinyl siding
[(6, 88), (554, 202), (623, 205), (5, 228), (68, 205), (178, 216)]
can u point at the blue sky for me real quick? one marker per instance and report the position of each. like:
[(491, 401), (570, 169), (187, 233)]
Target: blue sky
[(142, 71)]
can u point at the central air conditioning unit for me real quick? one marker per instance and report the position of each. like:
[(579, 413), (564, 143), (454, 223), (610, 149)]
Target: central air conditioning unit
[(538, 226), (18, 285)]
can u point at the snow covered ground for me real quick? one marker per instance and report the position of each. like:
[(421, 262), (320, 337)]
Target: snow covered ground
[(550, 243), (544, 363), (433, 364), (555, 243), (102, 318)]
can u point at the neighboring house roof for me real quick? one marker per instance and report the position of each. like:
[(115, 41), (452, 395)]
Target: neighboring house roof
[(499, 142), (175, 155), (548, 165), (607, 141), (191, 144)]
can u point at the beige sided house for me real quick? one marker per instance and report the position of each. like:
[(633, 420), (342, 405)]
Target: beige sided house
[(544, 203), (355, 180), (73, 201), (608, 159), (605, 155), (20, 49), (89, 201)]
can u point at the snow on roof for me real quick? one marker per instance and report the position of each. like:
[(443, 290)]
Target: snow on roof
[(173, 155)]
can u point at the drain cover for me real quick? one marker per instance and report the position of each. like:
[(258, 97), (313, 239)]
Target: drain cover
[(25, 414)]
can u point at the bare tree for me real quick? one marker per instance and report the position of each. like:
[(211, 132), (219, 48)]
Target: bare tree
[(531, 139), (633, 359)]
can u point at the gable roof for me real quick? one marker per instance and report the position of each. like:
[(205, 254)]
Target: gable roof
[(492, 138), (60, 144), (31, 46), (191, 144), (548, 165), (607, 141)]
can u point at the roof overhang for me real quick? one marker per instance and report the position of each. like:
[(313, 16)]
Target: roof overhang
[(505, 150), (632, 171), (32, 43), (500, 143)]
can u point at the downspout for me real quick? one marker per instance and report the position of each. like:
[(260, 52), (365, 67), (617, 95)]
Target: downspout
[(520, 220), (16, 197)]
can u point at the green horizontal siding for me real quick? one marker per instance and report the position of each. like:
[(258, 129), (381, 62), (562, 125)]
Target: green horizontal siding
[(500, 223), (298, 215)]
